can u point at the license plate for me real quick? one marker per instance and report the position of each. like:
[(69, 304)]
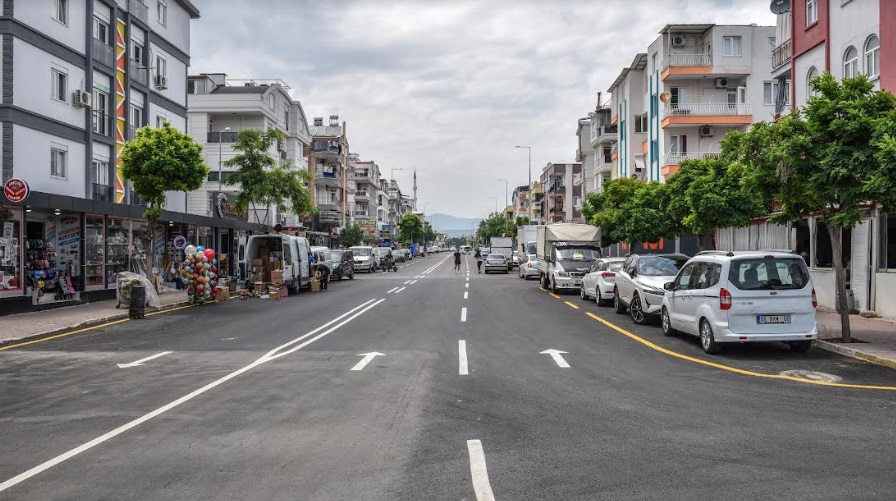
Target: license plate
[(772, 319), (577, 282)]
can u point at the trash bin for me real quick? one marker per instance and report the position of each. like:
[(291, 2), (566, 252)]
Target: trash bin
[(138, 301), (850, 301)]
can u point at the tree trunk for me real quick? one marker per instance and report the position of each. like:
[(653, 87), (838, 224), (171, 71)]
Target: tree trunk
[(836, 233), (148, 250), (701, 242)]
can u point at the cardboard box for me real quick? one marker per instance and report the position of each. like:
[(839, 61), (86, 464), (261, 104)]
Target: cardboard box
[(223, 294), (257, 262), (274, 294), (260, 287), (277, 277), (315, 285)]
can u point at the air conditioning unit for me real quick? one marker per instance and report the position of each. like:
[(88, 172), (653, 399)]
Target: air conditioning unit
[(678, 41), (705, 131), (721, 83), (81, 99), (161, 82)]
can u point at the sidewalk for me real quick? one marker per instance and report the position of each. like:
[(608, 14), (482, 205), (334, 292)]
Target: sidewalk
[(48, 322), (878, 336)]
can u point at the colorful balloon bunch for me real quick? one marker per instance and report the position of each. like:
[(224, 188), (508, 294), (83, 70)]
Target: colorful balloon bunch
[(200, 274)]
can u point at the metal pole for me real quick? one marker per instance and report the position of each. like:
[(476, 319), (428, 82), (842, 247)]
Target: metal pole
[(220, 141)]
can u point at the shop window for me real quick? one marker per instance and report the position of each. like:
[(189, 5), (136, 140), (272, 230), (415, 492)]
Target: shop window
[(94, 252), (824, 255), (117, 243), (10, 251), (52, 257)]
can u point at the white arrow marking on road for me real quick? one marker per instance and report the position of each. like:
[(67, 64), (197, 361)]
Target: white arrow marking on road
[(478, 470), (462, 358), (393, 289), (366, 360), (463, 314), (556, 355), (140, 362)]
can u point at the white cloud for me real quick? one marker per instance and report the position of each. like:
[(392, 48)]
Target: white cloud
[(448, 87)]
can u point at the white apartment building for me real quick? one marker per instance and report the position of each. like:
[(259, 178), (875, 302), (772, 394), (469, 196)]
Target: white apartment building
[(584, 156), (79, 78), (219, 108), (328, 160), (623, 153), (366, 211)]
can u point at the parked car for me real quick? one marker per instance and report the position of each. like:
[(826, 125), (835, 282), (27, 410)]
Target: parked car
[(600, 281), (495, 262), (738, 297), (640, 281), (529, 267), (385, 259), (365, 258), (400, 255), (343, 263)]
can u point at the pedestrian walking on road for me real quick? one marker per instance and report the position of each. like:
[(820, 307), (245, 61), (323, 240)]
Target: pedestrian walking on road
[(456, 260), (478, 257)]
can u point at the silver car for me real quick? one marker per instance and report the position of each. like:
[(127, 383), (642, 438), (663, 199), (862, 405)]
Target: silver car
[(495, 262), (600, 281), (529, 267), (640, 284)]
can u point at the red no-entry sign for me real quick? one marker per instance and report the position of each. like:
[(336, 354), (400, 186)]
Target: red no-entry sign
[(16, 190)]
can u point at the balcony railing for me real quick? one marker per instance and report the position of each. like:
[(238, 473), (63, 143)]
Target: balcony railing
[(703, 109), (103, 53), (221, 137), (139, 10), (687, 60), (557, 188), (102, 193), (138, 73), (782, 54), (361, 213), (325, 147), (577, 179), (676, 158), (102, 123)]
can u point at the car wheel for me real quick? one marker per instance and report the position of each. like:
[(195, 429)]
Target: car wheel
[(582, 293), (707, 341), (800, 346), (554, 288), (667, 323), (618, 307), (637, 311), (351, 275)]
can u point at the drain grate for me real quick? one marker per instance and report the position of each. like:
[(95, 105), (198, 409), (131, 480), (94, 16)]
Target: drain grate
[(813, 375)]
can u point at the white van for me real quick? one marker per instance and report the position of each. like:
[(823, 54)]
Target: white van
[(291, 250)]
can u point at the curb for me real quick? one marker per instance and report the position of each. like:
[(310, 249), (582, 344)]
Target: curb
[(86, 324), (854, 353)]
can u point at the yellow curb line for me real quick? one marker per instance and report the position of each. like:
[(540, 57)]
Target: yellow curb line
[(571, 305), (733, 369), (554, 295)]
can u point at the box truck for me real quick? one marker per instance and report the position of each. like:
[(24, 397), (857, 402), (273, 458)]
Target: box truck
[(565, 254)]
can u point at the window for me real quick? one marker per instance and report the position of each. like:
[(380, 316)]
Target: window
[(641, 123), (60, 11), (811, 12), (58, 85), (161, 66), (733, 46), (58, 162), (101, 30), (100, 172), (679, 96), (135, 117), (100, 109), (162, 13), (810, 89), (769, 274), (678, 145), (850, 63), (272, 101), (872, 56), (137, 53), (771, 91)]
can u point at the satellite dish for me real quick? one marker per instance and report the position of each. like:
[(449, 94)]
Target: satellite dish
[(780, 6), (665, 97)]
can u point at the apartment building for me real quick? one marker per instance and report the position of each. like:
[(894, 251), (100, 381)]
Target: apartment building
[(519, 200), (79, 78), (328, 160), (620, 141), (536, 202), (562, 199), (366, 211), (220, 108), (703, 80)]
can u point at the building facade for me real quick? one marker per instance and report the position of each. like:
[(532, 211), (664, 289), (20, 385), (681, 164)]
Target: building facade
[(520, 202), (328, 161), (366, 211), (622, 139), (561, 196)]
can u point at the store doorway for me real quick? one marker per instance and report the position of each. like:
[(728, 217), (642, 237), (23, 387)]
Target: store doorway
[(225, 251)]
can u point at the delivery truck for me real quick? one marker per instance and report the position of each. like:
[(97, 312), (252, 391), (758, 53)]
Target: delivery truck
[(267, 259), (503, 245), (565, 253), (526, 237)]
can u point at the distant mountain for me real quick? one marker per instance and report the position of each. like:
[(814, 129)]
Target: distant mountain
[(453, 226)]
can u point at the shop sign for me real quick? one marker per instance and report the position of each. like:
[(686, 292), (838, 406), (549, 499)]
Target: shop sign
[(16, 190), (224, 208)]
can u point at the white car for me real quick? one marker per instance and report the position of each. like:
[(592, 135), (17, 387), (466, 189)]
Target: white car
[(738, 297), (365, 259), (640, 281), (529, 267), (600, 281)]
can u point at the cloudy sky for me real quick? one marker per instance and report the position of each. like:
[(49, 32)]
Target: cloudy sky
[(448, 87)]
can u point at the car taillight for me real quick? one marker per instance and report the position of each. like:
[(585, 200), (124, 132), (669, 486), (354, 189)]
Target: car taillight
[(724, 299), (814, 299), (529, 265), (608, 274)]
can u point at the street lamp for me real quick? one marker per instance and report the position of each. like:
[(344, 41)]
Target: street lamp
[(529, 148), (220, 141)]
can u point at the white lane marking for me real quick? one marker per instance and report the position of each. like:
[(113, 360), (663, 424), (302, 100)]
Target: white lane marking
[(468, 278), (463, 314), (558, 357), (271, 355), (467, 285), (399, 290), (366, 360), (140, 362), (391, 290), (462, 368), (479, 472), (413, 282), (419, 276), (407, 282), (466, 294)]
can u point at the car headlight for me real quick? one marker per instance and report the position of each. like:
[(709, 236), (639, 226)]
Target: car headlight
[(562, 274), (653, 290)]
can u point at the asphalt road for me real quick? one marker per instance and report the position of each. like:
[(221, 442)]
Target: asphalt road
[(258, 400)]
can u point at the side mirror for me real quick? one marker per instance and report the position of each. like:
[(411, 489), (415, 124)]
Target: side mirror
[(669, 286)]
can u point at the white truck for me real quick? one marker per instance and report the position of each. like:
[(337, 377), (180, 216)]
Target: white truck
[(290, 253), (503, 245), (526, 240), (565, 253)]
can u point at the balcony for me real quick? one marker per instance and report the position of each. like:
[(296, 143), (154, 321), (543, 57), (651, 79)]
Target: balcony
[(103, 53), (361, 213), (103, 193), (557, 188), (362, 196), (603, 133), (221, 137), (782, 54), (671, 160), (325, 178), (138, 73), (686, 65), (139, 10), (557, 209), (328, 206), (706, 114), (577, 179), (325, 149), (102, 123), (329, 216), (604, 163)]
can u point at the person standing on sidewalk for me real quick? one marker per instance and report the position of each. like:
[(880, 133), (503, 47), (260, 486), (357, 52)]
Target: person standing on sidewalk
[(478, 257), (456, 260)]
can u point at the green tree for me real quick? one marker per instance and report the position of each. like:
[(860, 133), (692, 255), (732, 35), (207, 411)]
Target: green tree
[(159, 160), (351, 236), (828, 159), (263, 180), (643, 217), (604, 209), (496, 225), (429, 234), (410, 229)]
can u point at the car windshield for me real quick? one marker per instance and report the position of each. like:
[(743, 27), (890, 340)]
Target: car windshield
[(657, 266), (382, 252), (769, 273), (577, 254), (362, 251), (336, 255)]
